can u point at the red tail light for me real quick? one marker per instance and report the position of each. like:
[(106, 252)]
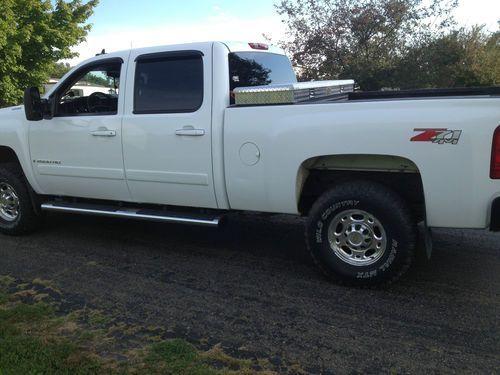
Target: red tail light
[(261, 46), (495, 155)]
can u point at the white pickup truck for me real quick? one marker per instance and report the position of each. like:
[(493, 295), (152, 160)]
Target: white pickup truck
[(169, 139)]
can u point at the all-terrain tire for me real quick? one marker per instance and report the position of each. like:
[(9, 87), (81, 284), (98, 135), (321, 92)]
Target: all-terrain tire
[(361, 233), (17, 214)]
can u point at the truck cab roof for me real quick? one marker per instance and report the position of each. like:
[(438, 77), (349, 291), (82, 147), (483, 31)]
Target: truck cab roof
[(232, 46)]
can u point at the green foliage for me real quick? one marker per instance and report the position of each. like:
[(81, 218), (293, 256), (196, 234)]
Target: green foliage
[(387, 43), (97, 80), (59, 69), (461, 58), (34, 35)]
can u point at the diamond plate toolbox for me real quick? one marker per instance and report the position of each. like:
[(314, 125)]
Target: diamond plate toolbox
[(291, 93)]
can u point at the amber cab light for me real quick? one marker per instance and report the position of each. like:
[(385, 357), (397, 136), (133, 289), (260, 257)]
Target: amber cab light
[(260, 46), (495, 155)]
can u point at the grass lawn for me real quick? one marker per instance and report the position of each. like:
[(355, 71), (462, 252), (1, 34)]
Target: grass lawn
[(37, 339)]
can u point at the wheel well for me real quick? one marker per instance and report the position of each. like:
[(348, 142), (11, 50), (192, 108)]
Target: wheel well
[(7, 155), (406, 182)]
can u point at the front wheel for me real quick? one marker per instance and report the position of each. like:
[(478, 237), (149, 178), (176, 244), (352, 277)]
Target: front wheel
[(17, 214), (361, 233)]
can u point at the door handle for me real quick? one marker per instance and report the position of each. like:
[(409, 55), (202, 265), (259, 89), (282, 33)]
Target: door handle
[(103, 133), (190, 131)]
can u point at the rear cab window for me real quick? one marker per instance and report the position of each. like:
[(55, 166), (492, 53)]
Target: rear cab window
[(258, 69)]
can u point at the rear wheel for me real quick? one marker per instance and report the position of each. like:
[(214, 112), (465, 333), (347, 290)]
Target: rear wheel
[(17, 214), (361, 233)]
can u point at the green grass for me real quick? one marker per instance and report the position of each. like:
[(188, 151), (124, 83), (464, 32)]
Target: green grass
[(4, 297), (177, 357), (97, 318), (34, 341), (24, 350)]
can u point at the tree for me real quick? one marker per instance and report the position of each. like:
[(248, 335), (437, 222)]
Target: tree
[(461, 58), (34, 35), (59, 69), (361, 39)]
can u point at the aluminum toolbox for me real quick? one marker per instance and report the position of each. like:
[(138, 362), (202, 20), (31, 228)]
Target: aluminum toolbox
[(291, 93)]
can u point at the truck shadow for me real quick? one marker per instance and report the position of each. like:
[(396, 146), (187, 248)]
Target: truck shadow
[(459, 258)]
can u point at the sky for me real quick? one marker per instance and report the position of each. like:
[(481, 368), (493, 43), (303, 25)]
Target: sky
[(121, 24)]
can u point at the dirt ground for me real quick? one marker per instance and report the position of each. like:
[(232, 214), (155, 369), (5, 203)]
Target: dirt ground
[(252, 287)]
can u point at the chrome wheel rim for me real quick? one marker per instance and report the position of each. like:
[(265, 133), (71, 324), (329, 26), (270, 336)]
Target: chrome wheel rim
[(9, 202), (357, 237)]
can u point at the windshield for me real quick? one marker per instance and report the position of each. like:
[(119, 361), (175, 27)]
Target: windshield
[(257, 69)]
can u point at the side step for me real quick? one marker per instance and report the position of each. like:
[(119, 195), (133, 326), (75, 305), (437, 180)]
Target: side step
[(133, 213)]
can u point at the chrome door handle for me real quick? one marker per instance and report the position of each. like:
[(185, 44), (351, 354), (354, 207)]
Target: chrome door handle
[(103, 133), (190, 131)]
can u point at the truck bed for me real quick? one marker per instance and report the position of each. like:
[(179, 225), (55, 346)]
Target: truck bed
[(424, 93), (396, 95)]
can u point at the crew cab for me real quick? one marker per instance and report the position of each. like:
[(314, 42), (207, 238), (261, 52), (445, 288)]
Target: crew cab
[(172, 137)]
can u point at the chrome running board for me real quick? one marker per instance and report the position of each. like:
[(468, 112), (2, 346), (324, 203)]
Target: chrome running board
[(133, 213)]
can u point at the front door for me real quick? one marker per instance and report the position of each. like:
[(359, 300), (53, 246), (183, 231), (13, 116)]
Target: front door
[(167, 128), (78, 152)]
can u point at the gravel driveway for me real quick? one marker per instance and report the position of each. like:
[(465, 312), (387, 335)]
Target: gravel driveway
[(252, 287)]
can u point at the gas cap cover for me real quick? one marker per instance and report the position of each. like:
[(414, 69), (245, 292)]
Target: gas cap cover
[(249, 153)]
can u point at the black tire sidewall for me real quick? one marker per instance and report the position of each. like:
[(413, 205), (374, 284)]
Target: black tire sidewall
[(392, 216)]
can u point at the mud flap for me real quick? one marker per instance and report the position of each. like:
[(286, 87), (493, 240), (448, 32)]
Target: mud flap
[(424, 245)]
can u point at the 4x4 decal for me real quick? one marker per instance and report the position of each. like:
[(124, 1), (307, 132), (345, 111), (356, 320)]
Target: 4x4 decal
[(439, 136)]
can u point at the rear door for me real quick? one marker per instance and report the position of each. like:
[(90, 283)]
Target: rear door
[(167, 127)]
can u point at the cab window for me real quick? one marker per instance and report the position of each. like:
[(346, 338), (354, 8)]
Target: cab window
[(92, 91), (169, 83)]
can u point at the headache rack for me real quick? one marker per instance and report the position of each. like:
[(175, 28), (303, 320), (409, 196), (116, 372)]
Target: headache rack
[(292, 93)]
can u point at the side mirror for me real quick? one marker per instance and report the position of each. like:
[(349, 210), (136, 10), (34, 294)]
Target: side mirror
[(33, 104)]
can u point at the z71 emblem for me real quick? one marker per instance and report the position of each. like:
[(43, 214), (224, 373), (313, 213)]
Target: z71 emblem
[(439, 136)]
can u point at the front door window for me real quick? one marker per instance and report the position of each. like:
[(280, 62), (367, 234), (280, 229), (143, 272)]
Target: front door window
[(93, 92)]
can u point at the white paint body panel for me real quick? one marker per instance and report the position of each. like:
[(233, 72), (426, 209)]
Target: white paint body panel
[(147, 162), (91, 167), (162, 167), (14, 134), (457, 187)]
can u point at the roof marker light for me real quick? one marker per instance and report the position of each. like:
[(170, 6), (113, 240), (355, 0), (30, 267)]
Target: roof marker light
[(260, 46)]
